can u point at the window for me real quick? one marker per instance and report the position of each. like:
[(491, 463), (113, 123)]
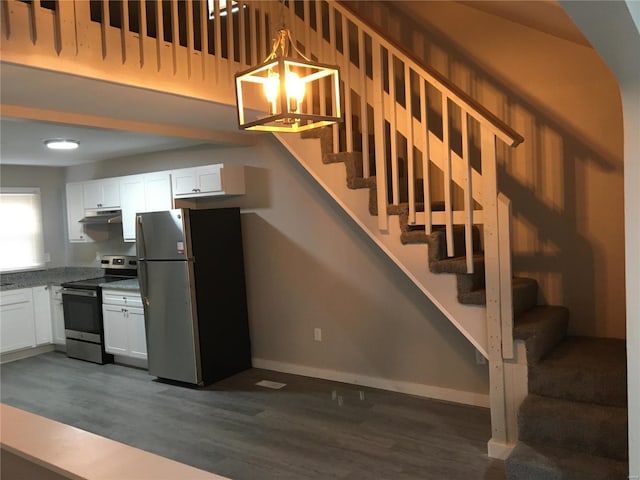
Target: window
[(21, 243)]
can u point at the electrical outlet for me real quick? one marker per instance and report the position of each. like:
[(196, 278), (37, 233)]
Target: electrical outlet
[(47, 257), (480, 360), (317, 334)]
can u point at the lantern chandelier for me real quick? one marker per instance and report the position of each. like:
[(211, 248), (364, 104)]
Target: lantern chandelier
[(290, 89)]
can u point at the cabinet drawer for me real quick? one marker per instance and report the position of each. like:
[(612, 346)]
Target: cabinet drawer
[(121, 298), (13, 297)]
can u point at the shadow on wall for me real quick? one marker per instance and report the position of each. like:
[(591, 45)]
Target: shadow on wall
[(565, 186)]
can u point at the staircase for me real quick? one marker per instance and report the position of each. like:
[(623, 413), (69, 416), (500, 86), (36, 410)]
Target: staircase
[(572, 414), (573, 423)]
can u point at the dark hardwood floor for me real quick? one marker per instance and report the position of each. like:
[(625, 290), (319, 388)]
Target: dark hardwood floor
[(310, 429)]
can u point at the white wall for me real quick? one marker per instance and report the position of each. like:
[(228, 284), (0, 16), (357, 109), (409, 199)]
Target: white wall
[(52, 193), (613, 29), (308, 266)]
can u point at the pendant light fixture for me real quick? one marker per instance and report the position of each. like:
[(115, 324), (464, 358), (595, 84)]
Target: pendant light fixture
[(281, 86)]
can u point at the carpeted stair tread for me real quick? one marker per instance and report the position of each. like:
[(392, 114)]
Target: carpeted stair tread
[(525, 295), (584, 369), (536, 462), (583, 427), (541, 328)]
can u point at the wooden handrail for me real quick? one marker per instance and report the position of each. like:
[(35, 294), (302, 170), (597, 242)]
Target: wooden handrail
[(469, 102)]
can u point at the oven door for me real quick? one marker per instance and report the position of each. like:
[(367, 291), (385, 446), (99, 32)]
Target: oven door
[(82, 319)]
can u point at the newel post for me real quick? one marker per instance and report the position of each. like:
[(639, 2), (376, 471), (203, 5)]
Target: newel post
[(498, 445)]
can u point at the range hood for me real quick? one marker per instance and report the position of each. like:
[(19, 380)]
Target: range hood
[(93, 217)]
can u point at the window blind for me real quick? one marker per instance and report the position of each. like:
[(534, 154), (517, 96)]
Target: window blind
[(21, 238)]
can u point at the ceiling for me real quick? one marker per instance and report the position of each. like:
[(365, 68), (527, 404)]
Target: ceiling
[(109, 120), (22, 143)]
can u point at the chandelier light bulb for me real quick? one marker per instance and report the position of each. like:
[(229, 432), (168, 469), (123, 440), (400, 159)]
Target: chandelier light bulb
[(295, 91), (271, 90)]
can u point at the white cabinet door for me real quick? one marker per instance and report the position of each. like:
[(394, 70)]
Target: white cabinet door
[(75, 212), (57, 316), (142, 193), (124, 329), (132, 200), (209, 179), (110, 193), (137, 334), (115, 329), (189, 182), (102, 194), (42, 314), (92, 194), (157, 192), (17, 328), (185, 182)]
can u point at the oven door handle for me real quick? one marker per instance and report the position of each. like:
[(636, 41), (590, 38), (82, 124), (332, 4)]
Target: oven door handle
[(79, 293)]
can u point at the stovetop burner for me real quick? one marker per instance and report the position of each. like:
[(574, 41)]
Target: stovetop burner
[(116, 267), (94, 283)]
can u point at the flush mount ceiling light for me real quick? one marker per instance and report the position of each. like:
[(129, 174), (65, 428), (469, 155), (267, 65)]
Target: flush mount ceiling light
[(61, 144), (280, 84)]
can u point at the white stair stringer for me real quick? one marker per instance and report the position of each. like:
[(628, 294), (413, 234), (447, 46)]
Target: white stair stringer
[(412, 259)]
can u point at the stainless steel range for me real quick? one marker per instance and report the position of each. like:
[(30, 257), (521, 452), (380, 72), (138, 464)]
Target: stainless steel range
[(82, 306)]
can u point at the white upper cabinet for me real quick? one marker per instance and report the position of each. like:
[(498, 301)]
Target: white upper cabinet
[(132, 202), (157, 192), (149, 192), (102, 194), (143, 193), (208, 180), (75, 212)]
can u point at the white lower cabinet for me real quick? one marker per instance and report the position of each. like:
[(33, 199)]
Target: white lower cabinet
[(42, 314), (17, 326), (57, 316), (137, 333), (123, 317), (115, 329)]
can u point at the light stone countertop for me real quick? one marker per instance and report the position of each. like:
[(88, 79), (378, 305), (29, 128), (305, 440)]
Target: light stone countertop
[(51, 276)]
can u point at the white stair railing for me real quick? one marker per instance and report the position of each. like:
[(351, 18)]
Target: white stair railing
[(423, 133)]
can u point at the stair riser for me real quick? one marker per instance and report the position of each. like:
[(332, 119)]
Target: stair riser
[(580, 386), (525, 296), (468, 282), (531, 462), (541, 328), (593, 435), (438, 243)]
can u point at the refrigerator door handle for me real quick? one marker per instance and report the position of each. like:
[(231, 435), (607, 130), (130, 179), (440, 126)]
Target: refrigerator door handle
[(140, 250), (143, 279)]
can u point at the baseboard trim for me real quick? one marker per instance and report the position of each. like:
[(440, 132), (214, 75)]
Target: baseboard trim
[(420, 390), (25, 353), (499, 450)]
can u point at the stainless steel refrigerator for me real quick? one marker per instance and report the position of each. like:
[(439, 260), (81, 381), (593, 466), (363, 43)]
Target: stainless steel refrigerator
[(191, 274)]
